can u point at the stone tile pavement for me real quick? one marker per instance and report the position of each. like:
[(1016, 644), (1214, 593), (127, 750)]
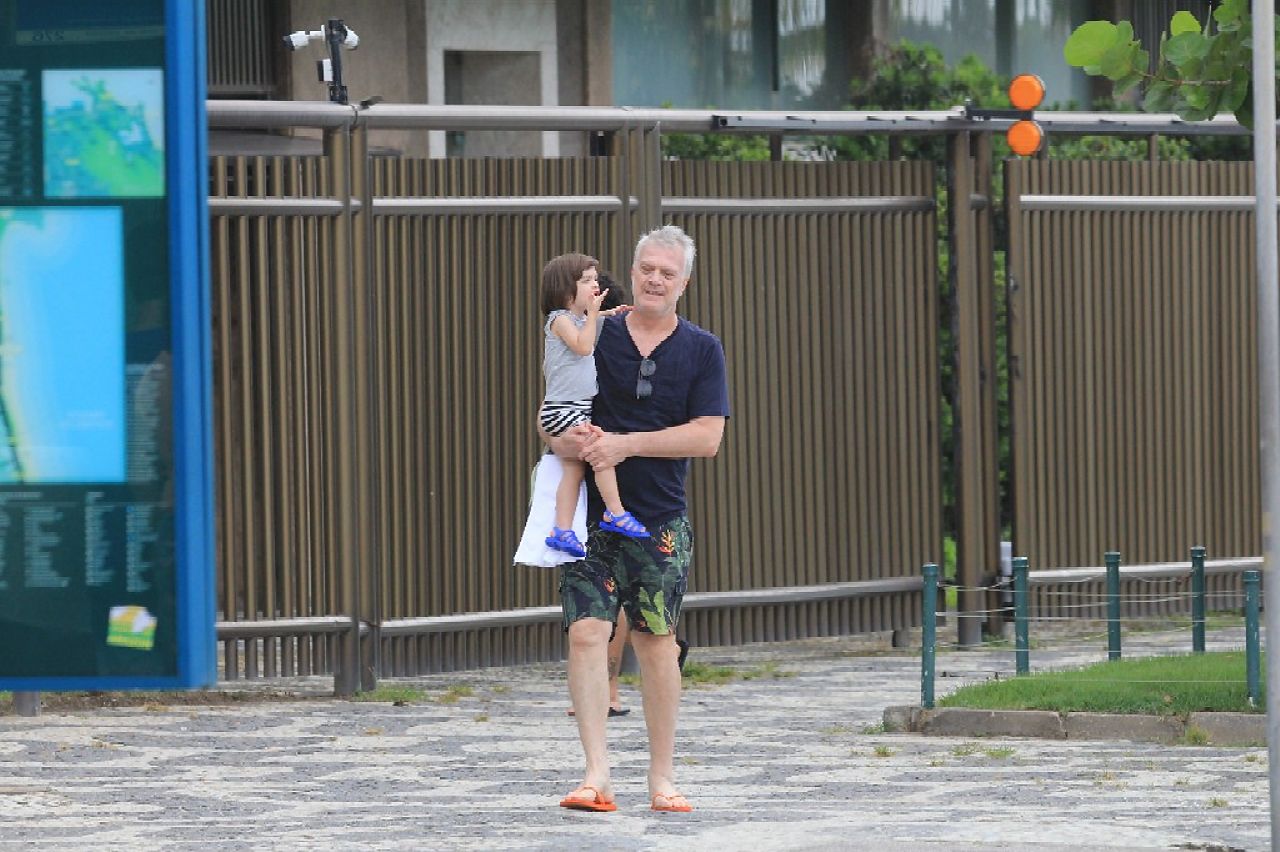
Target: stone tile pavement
[(792, 758)]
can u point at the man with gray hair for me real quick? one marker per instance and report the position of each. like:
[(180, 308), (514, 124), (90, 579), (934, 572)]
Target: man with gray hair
[(663, 398)]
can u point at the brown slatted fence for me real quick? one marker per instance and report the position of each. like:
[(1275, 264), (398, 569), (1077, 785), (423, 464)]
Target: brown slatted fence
[(830, 466), (1134, 371), (829, 472)]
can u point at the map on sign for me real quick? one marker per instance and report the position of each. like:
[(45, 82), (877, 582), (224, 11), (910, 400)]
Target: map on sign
[(62, 370), (103, 133)]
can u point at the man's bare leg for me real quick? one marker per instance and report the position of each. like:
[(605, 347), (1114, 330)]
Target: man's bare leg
[(589, 691), (660, 689)]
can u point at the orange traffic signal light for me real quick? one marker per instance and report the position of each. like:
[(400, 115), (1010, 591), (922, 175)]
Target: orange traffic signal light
[(1026, 136), (1026, 91)]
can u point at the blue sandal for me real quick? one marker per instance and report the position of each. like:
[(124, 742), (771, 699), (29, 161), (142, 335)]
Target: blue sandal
[(566, 541), (626, 524)]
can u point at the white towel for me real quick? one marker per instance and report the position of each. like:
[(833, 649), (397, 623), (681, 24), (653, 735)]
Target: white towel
[(533, 550)]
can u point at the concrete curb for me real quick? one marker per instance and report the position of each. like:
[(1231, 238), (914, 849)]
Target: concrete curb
[(1220, 729)]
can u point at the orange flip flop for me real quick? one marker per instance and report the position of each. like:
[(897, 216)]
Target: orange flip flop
[(599, 803), (676, 803)]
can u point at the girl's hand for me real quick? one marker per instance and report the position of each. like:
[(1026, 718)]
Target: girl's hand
[(594, 307)]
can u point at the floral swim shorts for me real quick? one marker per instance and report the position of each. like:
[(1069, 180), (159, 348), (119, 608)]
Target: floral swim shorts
[(646, 577)]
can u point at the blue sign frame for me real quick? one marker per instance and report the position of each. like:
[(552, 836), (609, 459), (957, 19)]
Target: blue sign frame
[(188, 251)]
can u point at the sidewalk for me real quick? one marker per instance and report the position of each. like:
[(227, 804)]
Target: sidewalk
[(790, 759)]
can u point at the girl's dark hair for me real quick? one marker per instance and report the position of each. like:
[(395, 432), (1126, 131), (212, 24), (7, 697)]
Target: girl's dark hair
[(617, 294), (560, 279)]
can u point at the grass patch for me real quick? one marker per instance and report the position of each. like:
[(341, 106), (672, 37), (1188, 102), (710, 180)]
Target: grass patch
[(1174, 685), (998, 753), (454, 693), (884, 751), (765, 671), (1195, 735), (877, 728), (397, 695), (704, 674)]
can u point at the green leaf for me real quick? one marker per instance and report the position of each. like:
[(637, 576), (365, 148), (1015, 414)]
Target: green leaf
[(1125, 83), (1089, 41), (1197, 97), (1159, 97), (1233, 96), (1182, 49), (1117, 62), (1184, 22), (1230, 13)]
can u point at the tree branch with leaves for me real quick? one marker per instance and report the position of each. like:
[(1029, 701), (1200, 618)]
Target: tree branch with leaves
[(1202, 69)]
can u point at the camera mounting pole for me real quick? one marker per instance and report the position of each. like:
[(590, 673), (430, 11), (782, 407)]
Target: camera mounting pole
[(337, 35)]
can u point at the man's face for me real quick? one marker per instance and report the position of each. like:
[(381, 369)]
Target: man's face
[(657, 279)]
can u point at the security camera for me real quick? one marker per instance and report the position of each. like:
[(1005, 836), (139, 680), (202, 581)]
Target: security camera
[(351, 41), (301, 38)]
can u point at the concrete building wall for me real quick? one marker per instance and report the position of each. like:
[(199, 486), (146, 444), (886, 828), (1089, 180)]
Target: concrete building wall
[(488, 26)]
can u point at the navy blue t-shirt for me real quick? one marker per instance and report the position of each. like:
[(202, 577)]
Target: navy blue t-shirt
[(688, 381)]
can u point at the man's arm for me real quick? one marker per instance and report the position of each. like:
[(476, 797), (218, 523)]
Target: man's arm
[(699, 438)]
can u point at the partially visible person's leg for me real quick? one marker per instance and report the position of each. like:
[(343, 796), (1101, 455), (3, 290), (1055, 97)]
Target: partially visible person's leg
[(617, 646)]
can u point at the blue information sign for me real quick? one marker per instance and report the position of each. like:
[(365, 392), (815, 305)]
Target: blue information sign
[(106, 549)]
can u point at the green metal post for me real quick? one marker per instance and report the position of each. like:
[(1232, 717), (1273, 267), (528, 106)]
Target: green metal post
[(1022, 647), (929, 634), (1112, 558), (1197, 600), (1252, 584)]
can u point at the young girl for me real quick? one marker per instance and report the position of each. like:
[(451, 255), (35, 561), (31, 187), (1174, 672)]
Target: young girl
[(571, 298)]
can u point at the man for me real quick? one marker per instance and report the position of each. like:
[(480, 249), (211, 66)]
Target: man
[(662, 399)]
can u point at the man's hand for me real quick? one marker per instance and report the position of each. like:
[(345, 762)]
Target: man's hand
[(571, 443), (603, 450)]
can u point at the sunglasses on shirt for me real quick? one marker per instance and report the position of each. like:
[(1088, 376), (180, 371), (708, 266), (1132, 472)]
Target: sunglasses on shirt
[(644, 388)]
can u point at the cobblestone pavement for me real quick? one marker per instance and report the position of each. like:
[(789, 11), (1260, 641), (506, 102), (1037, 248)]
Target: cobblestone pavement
[(788, 759)]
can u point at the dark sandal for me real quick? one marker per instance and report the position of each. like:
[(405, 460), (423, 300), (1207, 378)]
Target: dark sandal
[(626, 524), (566, 541)]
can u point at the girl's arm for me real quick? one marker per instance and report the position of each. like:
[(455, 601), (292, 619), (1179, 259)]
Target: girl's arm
[(581, 341)]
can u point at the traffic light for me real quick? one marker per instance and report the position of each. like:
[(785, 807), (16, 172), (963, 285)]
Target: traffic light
[(1025, 136)]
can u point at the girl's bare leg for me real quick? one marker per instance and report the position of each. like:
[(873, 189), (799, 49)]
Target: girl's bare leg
[(607, 482), (567, 492)]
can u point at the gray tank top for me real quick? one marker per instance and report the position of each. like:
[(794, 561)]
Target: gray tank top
[(569, 376)]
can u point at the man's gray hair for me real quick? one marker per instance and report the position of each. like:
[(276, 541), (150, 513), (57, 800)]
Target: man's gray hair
[(670, 236)]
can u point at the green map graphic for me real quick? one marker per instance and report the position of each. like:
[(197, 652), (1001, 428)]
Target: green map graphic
[(103, 133)]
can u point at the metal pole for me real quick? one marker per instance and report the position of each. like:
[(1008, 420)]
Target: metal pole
[(1197, 600), (929, 634), (1252, 579), (26, 703), (346, 677), (1112, 558), (1022, 646), (1264, 162)]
